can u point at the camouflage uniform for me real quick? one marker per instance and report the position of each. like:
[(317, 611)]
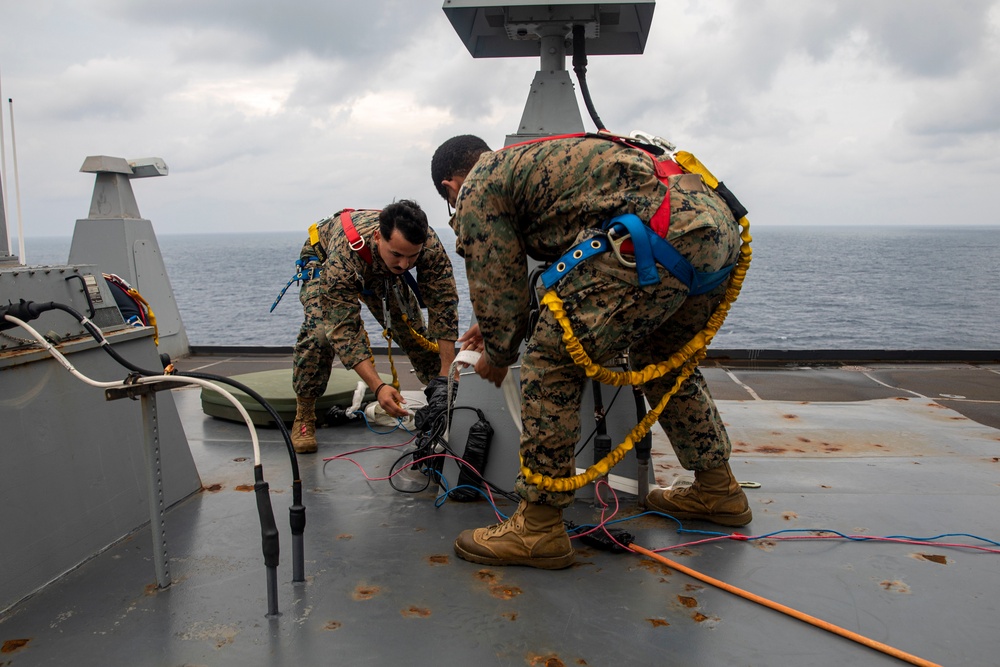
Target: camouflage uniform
[(332, 322), (540, 199)]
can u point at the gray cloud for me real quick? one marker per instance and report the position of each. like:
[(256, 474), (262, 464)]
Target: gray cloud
[(271, 115), (262, 31)]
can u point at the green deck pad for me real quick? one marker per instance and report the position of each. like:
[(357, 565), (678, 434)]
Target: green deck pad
[(275, 387)]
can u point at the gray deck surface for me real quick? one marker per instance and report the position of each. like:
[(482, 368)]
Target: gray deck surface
[(878, 450)]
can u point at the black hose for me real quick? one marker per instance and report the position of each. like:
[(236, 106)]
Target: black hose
[(86, 292), (580, 67), (269, 538), (267, 406)]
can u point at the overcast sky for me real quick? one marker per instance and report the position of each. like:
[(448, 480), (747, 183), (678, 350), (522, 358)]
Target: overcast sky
[(272, 115)]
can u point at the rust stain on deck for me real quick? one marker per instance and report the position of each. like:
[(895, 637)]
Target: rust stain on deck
[(502, 592), (365, 592), (12, 645), (895, 586), (654, 566), (487, 576), (418, 612), (934, 558)]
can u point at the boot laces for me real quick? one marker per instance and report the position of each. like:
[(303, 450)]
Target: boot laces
[(514, 522)]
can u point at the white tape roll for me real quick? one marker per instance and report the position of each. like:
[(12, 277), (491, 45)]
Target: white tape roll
[(469, 357)]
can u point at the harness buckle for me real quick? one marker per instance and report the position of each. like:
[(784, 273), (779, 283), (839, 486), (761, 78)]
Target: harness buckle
[(357, 245), (616, 246)]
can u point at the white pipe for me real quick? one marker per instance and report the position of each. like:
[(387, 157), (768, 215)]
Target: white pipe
[(17, 185), (143, 380)]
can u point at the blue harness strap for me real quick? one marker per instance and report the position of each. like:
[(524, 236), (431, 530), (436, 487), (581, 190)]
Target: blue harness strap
[(581, 251), (303, 274), (650, 250)]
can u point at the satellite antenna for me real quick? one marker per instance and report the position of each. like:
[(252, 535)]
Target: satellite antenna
[(519, 28)]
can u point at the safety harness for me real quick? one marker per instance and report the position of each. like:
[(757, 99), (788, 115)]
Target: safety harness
[(358, 245), (649, 248), (304, 273), (134, 308)]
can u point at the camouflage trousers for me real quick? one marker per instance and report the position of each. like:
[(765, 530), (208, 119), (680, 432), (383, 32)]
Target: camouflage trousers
[(314, 355), (610, 313)]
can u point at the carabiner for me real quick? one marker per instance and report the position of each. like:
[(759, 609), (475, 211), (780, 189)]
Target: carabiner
[(616, 245)]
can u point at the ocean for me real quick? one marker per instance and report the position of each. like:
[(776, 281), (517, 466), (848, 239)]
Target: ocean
[(808, 288)]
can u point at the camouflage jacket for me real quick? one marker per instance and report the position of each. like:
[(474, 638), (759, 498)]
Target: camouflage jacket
[(345, 274), (533, 200)]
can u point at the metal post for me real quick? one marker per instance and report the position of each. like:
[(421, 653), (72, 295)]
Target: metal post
[(154, 488), (643, 450), (602, 441)]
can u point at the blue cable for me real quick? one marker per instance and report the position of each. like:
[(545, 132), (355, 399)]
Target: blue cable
[(749, 538), (443, 483), (398, 426)]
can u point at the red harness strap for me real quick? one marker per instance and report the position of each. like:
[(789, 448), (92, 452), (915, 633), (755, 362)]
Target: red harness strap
[(353, 238), (660, 222)]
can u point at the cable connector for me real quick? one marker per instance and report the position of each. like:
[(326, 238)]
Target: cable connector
[(23, 310), (614, 540)]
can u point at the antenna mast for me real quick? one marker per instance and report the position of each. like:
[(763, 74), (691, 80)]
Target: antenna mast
[(5, 256)]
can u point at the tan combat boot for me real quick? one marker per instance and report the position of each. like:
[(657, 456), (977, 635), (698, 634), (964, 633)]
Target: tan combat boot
[(715, 496), (304, 427), (534, 536)]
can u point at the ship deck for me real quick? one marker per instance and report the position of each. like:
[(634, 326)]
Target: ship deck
[(858, 448)]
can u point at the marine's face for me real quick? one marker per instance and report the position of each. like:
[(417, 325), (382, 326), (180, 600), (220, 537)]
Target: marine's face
[(397, 253)]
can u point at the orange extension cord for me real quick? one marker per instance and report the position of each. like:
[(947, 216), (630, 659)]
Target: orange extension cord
[(812, 620)]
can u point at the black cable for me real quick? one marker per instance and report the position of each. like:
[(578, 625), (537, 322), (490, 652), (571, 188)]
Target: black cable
[(600, 423), (86, 293), (580, 67), (433, 435), (395, 467)]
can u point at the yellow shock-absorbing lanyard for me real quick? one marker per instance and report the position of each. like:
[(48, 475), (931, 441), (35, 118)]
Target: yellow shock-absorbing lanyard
[(686, 359)]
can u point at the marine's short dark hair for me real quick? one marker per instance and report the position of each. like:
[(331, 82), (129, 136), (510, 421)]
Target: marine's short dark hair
[(455, 157), (406, 216)]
